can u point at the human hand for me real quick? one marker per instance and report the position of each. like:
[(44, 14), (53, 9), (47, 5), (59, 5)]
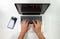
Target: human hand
[(24, 26), (24, 29), (37, 26)]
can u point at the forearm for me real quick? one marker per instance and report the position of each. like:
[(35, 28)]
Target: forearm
[(21, 35), (40, 35)]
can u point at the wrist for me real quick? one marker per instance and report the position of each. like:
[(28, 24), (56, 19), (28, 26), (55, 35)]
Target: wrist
[(21, 35), (38, 33), (22, 32)]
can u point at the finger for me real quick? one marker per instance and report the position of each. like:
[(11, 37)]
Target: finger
[(37, 21), (34, 22), (28, 27), (27, 21), (33, 26), (40, 22), (22, 21)]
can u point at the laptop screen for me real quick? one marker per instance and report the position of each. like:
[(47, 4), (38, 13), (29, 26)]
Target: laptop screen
[(31, 8)]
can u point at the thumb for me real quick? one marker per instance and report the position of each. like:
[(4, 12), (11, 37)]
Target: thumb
[(28, 27), (33, 26)]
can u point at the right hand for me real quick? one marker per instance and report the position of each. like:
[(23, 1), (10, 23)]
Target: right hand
[(37, 26)]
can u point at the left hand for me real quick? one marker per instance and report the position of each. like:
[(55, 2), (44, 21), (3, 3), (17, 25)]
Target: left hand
[(24, 26)]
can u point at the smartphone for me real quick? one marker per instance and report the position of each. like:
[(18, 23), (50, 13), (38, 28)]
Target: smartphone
[(12, 22)]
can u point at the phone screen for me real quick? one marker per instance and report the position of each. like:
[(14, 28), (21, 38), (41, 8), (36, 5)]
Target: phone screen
[(12, 22)]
